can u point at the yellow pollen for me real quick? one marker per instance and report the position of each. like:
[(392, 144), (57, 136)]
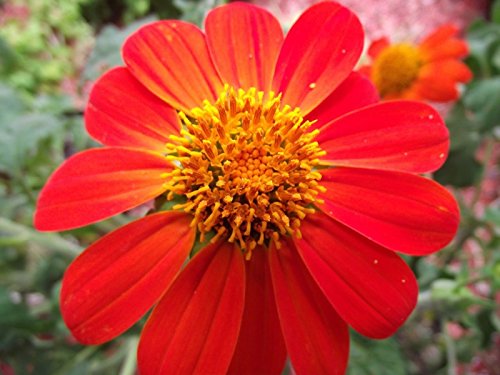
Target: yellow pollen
[(245, 167), (396, 68)]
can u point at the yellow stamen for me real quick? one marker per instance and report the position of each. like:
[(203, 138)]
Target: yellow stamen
[(396, 68), (246, 165)]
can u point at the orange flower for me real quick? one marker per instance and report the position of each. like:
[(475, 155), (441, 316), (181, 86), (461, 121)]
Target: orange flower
[(430, 70), (299, 184)]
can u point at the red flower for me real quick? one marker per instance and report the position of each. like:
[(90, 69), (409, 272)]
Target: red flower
[(316, 188), (430, 70)]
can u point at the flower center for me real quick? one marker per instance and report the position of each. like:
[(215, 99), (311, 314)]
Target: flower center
[(246, 168), (396, 68)]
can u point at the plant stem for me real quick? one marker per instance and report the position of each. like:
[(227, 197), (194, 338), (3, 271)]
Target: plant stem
[(451, 350), (488, 154), (50, 241), (84, 354), (130, 362)]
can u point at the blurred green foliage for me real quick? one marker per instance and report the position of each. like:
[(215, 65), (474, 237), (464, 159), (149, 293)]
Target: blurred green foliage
[(45, 42), (41, 41)]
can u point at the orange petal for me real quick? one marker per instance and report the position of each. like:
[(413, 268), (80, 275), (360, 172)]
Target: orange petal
[(452, 48), (436, 89), (194, 328), (244, 41), (172, 60), (370, 287), (316, 337), (118, 278), (399, 135), (318, 54), (261, 348), (439, 36), (442, 43), (121, 112), (98, 183), (422, 217), (446, 69)]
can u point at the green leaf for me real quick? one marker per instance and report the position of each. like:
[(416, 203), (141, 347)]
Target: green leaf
[(495, 12), (375, 357), (483, 99), (15, 316), (463, 127), (194, 11), (21, 136), (461, 169), (492, 214), (427, 272), (11, 105), (8, 58), (484, 40), (107, 50)]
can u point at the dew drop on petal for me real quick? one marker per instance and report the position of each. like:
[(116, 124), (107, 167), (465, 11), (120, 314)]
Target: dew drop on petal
[(344, 51), (403, 281), (441, 155), (375, 261), (312, 85), (431, 117)]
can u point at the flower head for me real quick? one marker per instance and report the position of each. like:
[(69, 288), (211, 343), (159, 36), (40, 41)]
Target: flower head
[(281, 162), (429, 70)]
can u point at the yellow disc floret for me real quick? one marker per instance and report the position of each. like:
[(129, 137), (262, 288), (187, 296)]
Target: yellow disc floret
[(396, 69), (246, 166)]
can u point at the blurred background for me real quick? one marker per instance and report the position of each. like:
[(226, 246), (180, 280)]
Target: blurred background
[(51, 51)]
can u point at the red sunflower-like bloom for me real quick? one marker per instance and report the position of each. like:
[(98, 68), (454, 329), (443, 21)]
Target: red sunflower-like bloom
[(281, 159), (430, 70)]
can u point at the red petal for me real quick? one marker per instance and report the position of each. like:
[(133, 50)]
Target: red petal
[(318, 54), (354, 93), (172, 60), (260, 348), (370, 287), (119, 277), (422, 216), (378, 46), (98, 183), (316, 337), (194, 328), (121, 112), (399, 135), (365, 71), (244, 41)]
